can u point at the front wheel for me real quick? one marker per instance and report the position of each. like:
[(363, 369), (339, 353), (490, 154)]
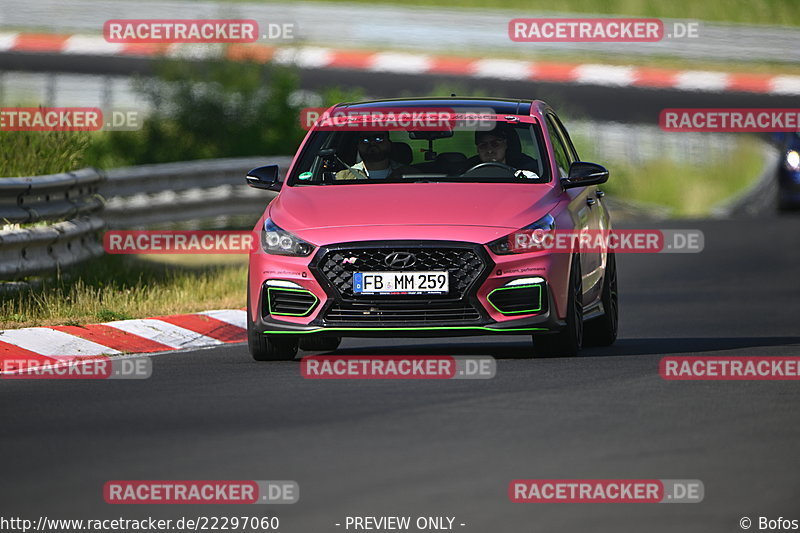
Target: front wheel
[(602, 331), (269, 347), (568, 341)]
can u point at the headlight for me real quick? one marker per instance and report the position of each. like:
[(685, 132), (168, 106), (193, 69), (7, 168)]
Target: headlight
[(276, 241), (527, 239), (793, 160)]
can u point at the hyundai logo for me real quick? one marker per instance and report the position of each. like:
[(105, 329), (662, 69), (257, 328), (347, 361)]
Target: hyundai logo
[(400, 260)]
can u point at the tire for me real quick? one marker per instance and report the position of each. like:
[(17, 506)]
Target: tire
[(320, 344), (602, 331), (268, 347), (568, 341)]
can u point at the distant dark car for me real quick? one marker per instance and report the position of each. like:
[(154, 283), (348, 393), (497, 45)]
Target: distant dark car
[(789, 174)]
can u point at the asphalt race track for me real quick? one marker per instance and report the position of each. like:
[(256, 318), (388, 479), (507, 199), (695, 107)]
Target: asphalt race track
[(450, 448)]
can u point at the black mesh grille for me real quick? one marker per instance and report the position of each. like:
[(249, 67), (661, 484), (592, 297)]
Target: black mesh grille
[(463, 264), (517, 300), (288, 302), (396, 313)]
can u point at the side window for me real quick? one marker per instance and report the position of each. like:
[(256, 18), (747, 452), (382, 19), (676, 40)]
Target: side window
[(562, 131), (559, 150), (530, 149)]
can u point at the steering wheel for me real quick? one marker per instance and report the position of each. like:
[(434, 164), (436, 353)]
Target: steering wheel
[(511, 170)]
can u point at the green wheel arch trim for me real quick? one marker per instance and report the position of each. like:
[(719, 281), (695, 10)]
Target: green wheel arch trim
[(524, 311), (306, 313), (429, 328)]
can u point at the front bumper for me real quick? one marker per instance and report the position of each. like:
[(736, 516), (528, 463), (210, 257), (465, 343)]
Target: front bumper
[(326, 305)]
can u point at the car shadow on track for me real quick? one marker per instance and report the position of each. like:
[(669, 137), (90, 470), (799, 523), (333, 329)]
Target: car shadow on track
[(520, 349), (672, 346), (513, 349)]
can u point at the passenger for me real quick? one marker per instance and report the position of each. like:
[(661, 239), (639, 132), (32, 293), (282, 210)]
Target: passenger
[(375, 149)]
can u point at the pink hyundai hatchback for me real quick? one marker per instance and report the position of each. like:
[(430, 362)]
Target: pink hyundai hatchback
[(396, 228)]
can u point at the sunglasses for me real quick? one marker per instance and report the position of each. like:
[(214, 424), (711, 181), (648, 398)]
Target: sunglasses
[(372, 138)]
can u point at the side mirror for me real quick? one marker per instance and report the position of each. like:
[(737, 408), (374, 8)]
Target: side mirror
[(583, 174), (264, 178)]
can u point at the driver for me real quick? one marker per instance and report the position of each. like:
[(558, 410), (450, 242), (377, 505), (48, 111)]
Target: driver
[(492, 147), (375, 149)]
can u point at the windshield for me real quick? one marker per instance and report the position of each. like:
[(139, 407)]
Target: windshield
[(500, 151)]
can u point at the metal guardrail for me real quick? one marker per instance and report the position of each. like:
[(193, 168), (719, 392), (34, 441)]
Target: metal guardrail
[(73, 196), (32, 251), (54, 197), (207, 193), (638, 144)]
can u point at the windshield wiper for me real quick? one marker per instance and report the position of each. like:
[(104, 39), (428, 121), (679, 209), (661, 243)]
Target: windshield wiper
[(424, 177)]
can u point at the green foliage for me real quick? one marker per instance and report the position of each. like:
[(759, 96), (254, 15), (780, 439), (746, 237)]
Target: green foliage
[(35, 153), (212, 109), (207, 110)]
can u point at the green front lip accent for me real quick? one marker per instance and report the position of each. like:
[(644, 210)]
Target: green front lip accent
[(436, 328)]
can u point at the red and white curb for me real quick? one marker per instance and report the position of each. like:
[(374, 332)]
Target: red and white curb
[(148, 335), (407, 63)]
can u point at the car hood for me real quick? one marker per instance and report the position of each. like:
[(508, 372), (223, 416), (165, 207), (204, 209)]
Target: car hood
[(320, 214)]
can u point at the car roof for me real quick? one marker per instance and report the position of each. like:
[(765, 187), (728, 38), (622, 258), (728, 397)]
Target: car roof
[(501, 106)]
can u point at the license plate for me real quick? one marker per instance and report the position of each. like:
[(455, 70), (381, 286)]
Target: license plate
[(400, 282)]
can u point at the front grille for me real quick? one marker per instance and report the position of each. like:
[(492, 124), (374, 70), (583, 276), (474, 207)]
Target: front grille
[(464, 265), (396, 313)]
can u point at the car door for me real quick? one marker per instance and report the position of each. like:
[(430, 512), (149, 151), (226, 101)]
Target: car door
[(583, 205)]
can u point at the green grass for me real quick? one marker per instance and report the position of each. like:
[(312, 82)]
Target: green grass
[(690, 190), (781, 12), (117, 287), (36, 153)]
